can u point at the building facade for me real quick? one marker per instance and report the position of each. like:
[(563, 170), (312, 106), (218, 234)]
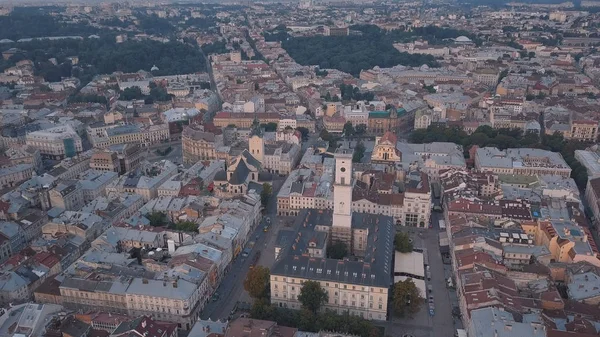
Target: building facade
[(198, 145), (56, 143)]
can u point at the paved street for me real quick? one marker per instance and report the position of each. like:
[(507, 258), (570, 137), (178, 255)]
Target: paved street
[(422, 324), (231, 289)]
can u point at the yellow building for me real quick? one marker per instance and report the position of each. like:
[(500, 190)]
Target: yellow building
[(243, 120), (198, 145), (364, 300), (584, 130), (385, 149)]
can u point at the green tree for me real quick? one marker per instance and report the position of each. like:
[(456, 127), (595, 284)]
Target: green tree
[(131, 93), (325, 135), (256, 282), (406, 298), (353, 53), (402, 243), (186, 226), (348, 129), (269, 127), (361, 129), (430, 89), (554, 142), (159, 94), (265, 194), (312, 296), (157, 219), (306, 320), (359, 153), (304, 131), (262, 309), (337, 250)]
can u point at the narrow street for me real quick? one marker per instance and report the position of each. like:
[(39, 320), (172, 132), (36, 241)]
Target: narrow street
[(231, 290)]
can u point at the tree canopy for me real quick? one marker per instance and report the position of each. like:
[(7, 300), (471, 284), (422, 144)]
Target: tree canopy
[(350, 92), (353, 53), (256, 282), (265, 194), (348, 129), (104, 56), (483, 136), (131, 93), (361, 129), (359, 153), (508, 138), (19, 25), (269, 127), (306, 320), (312, 296), (217, 47), (406, 298), (402, 243), (157, 219), (304, 131), (186, 226)]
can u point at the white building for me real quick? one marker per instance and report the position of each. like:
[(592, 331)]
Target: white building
[(56, 143)]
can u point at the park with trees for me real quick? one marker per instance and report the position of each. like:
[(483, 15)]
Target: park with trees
[(104, 56), (367, 46), (352, 53)]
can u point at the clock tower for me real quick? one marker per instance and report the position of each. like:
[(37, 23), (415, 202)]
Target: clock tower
[(342, 198)]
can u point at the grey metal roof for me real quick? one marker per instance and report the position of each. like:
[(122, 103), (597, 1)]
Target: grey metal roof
[(372, 269), (250, 159), (323, 269), (240, 173)]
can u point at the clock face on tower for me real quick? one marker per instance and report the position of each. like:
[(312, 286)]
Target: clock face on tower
[(343, 169)]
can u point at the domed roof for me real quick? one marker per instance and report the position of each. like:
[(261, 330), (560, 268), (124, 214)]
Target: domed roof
[(462, 39)]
